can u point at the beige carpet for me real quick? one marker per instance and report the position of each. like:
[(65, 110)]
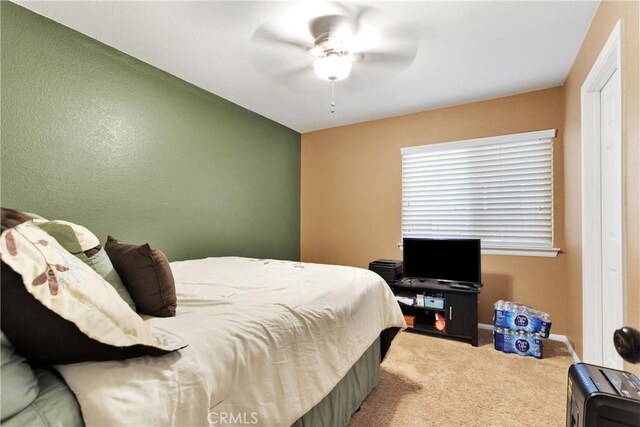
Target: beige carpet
[(429, 381)]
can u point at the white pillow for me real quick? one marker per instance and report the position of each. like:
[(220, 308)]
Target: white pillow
[(77, 239), (73, 237)]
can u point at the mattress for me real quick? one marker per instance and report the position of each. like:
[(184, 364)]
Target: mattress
[(268, 340)]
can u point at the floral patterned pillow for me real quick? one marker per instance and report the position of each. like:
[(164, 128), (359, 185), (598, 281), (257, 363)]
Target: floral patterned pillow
[(89, 308), (84, 245)]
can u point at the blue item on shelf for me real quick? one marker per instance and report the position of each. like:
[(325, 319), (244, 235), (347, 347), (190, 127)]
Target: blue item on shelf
[(434, 302)]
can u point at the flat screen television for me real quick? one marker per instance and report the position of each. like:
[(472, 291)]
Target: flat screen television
[(451, 260)]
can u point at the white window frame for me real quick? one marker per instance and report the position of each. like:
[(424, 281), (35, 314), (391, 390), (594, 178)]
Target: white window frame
[(488, 249)]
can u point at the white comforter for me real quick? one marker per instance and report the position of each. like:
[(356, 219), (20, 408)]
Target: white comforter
[(267, 341)]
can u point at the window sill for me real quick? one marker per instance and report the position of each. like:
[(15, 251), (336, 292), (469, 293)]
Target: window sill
[(538, 252)]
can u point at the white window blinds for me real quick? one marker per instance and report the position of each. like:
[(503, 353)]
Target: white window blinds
[(499, 190)]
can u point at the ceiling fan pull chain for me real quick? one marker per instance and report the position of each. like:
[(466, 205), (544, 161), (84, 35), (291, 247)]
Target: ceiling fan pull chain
[(333, 100)]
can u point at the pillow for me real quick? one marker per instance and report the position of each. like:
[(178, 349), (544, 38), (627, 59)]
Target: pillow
[(61, 311), (147, 275), (101, 264), (84, 245), (19, 383), (73, 237)]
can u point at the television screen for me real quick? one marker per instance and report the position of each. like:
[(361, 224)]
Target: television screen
[(455, 260)]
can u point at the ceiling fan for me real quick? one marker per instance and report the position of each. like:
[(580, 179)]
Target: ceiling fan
[(349, 37)]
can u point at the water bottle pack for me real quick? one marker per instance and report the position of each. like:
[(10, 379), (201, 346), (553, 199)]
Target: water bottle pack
[(522, 343), (516, 317), (519, 329)]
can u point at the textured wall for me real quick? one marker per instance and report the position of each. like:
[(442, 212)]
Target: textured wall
[(605, 19), (94, 136), (351, 193)]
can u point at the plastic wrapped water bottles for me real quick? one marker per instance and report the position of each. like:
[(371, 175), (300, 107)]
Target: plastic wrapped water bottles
[(522, 343), (516, 317), (520, 329)]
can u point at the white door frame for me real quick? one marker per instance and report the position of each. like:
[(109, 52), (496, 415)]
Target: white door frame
[(609, 61)]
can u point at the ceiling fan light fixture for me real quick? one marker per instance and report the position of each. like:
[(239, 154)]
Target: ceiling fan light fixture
[(333, 67)]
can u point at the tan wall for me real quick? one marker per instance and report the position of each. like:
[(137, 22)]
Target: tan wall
[(603, 23), (351, 193)]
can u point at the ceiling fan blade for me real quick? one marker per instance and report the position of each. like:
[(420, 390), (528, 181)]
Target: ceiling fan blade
[(329, 25), (391, 58), (293, 71), (287, 74), (354, 13), (268, 35)]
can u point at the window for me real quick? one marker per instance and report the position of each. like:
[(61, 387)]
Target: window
[(497, 189)]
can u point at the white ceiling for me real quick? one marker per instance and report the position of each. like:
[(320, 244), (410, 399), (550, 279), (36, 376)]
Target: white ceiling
[(467, 51)]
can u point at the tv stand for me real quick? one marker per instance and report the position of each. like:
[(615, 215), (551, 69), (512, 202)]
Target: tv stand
[(460, 308)]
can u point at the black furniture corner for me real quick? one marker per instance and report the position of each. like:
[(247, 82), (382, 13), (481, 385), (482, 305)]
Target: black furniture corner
[(460, 308)]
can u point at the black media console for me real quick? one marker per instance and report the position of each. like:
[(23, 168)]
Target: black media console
[(459, 306)]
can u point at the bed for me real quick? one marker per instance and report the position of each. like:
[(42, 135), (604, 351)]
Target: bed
[(270, 342)]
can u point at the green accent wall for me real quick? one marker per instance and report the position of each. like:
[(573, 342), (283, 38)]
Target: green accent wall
[(94, 136)]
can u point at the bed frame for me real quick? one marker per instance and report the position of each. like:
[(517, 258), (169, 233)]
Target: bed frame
[(346, 397)]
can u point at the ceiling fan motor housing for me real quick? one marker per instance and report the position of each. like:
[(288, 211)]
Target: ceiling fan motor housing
[(331, 34)]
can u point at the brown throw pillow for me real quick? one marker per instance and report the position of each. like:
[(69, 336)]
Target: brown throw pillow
[(146, 273)]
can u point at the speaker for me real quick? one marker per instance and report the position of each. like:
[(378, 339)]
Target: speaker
[(389, 269)]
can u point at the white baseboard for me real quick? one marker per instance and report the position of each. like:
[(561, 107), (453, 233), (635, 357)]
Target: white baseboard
[(553, 337)]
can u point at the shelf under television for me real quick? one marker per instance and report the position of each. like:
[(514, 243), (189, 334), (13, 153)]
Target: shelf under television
[(424, 318)]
